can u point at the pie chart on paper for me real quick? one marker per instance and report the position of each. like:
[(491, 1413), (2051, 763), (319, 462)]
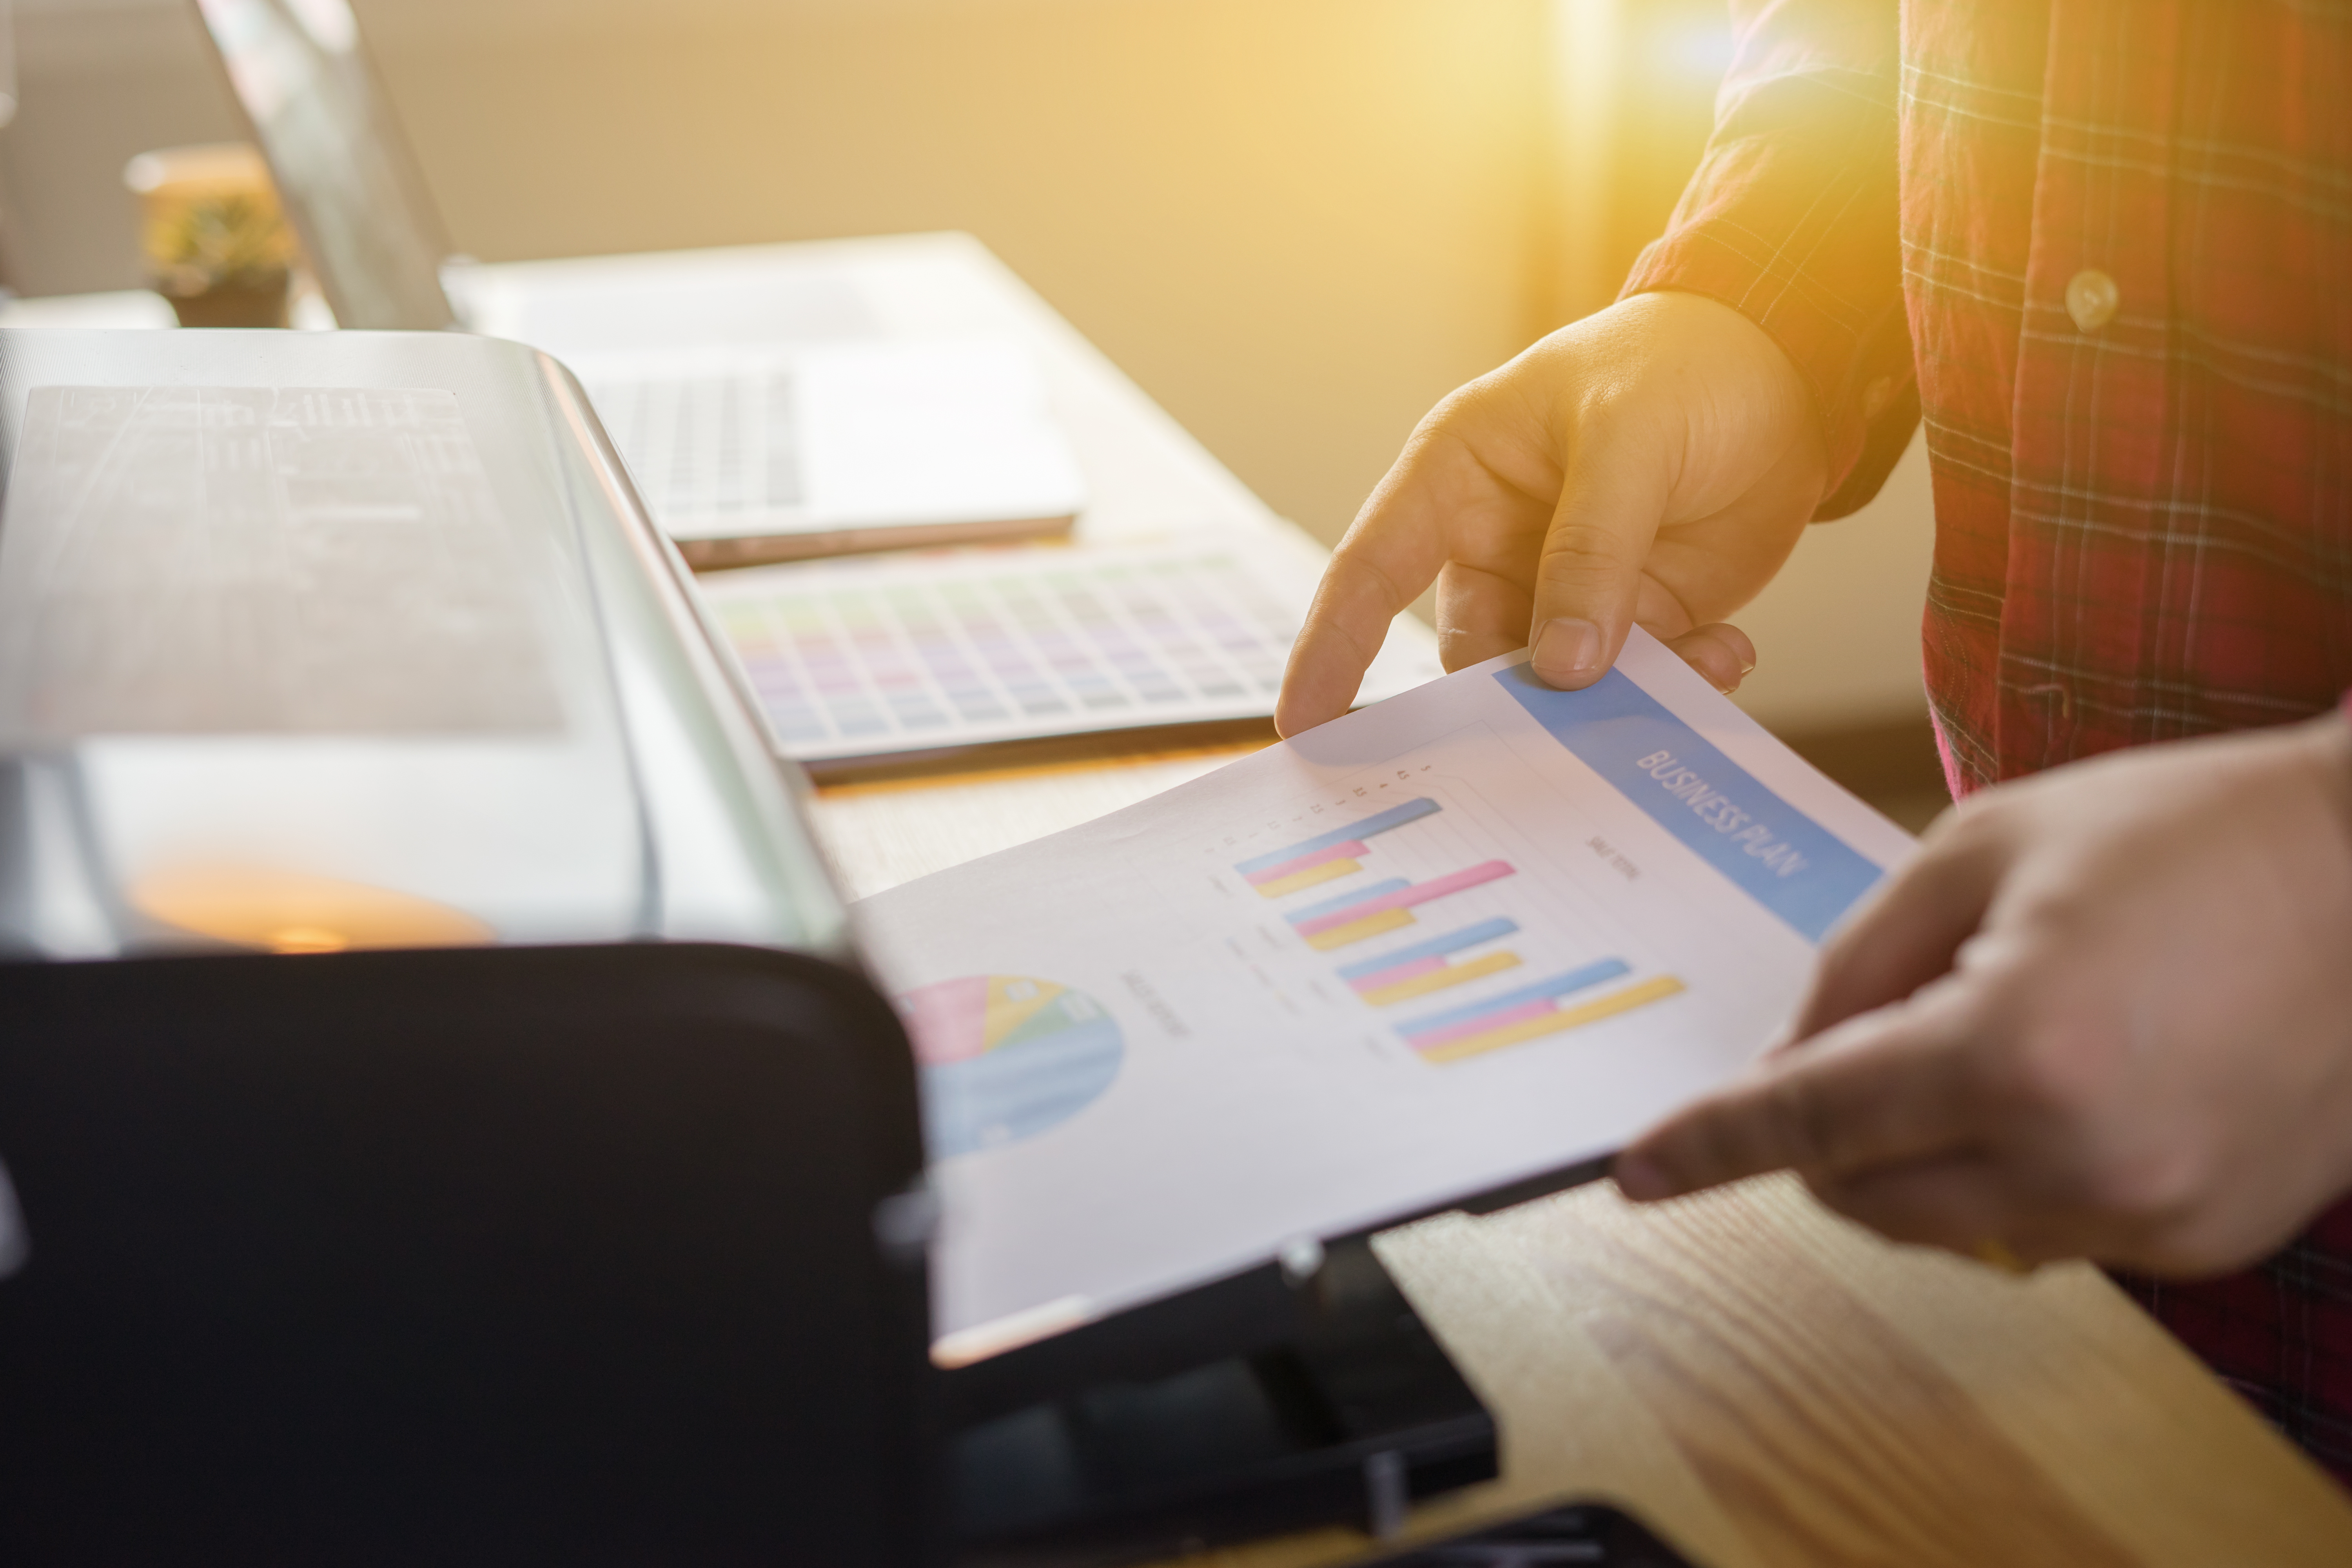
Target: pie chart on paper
[(1005, 1057)]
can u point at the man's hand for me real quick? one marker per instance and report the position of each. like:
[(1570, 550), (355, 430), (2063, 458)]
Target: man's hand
[(1652, 464), (2107, 1012)]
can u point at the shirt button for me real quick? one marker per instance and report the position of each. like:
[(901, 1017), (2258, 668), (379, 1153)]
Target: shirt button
[(1876, 397), (2092, 298)]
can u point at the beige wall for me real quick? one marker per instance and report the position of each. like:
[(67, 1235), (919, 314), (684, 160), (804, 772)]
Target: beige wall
[(1837, 634), (1296, 223), (99, 81)]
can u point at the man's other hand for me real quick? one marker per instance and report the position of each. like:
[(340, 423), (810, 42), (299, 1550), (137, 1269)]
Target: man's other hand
[(2106, 1012), (1652, 464)]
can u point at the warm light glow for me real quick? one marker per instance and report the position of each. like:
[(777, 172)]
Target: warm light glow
[(293, 911), (1704, 51), (308, 939)]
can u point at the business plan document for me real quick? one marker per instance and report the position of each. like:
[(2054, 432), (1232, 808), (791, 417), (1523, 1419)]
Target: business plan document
[(1479, 934)]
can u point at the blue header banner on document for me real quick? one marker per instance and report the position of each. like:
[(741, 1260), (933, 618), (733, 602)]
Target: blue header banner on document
[(1776, 854)]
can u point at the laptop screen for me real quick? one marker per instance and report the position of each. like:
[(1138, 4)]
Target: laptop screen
[(301, 74)]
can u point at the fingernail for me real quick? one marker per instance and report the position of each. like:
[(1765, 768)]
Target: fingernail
[(1567, 650), (1642, 1179)]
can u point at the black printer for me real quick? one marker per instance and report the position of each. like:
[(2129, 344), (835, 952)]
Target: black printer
[(442, 1115)]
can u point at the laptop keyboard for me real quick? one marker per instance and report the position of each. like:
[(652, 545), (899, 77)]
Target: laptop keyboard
[(707, 445)]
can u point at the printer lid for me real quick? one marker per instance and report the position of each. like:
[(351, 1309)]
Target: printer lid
[(312, 641)]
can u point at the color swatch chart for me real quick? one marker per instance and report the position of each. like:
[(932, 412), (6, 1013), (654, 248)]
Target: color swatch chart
[(860, 658), (1469, 954)]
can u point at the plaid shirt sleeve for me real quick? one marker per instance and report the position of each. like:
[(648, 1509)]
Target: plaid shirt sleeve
[(1791, 220)]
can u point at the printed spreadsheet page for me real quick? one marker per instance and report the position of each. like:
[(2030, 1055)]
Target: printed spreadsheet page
[(1477, 933)]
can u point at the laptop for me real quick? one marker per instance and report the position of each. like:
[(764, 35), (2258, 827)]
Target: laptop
[(763, 410)]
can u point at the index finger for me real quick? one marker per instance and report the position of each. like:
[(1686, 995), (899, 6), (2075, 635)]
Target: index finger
[(1393, 551), (1907, 932), (1888, 1086)]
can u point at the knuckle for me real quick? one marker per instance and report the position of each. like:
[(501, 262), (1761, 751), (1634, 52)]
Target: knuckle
[(2058, 911), (2154, 1191), (1358, 568), (2006, 1074), (1806, 1133), (1470, 404), (1601, 412), (2039, 1075), (2072, 1051), (1446, 413), (1358, 650), (1578, 552), (1619, 393), (1708, 1143), (1631, 420)]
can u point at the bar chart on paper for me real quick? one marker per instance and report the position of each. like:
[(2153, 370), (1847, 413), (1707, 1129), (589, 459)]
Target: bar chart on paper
[(1509, 958), (1456, 948)]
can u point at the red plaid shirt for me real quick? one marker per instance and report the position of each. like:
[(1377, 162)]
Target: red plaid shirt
[(2103, 250)]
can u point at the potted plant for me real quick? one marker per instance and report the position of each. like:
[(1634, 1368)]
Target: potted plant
[(222, 259)]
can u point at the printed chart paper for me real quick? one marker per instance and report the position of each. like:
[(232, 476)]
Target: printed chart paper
[(1479, 933)]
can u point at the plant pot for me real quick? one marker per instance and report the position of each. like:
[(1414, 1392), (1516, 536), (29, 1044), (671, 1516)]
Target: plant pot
[(240, 304)]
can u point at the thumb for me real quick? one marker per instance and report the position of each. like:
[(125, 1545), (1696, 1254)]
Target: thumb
[(1906, 934), (1613, 496)]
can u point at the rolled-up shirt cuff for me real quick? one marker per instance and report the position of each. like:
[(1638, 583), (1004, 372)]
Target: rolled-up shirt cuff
[(1792, 219)]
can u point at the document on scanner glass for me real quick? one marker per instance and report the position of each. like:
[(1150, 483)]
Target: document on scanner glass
[(1479, 933)]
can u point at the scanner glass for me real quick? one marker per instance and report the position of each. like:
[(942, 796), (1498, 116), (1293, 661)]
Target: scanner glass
[(293, 661)]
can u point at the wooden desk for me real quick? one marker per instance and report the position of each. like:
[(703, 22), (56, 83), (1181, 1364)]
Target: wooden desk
[(1762, 1383)]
